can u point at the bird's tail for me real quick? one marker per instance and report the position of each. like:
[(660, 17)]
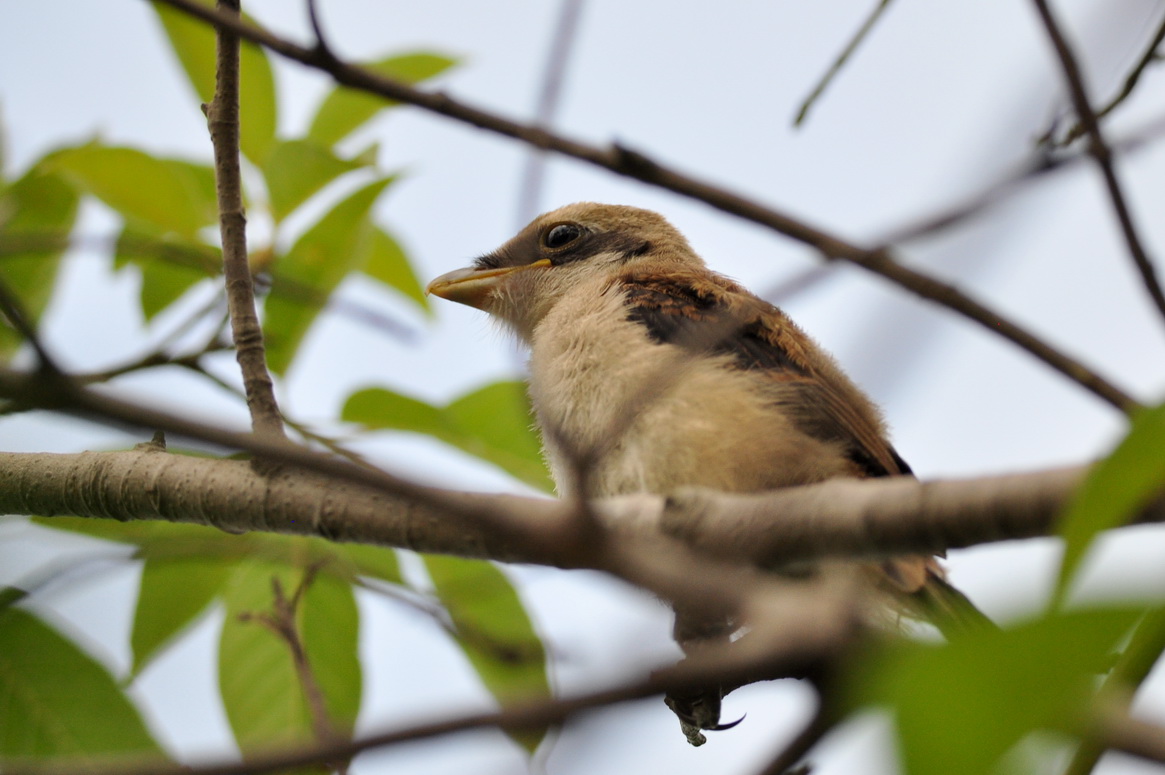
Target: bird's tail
[(941, 604)]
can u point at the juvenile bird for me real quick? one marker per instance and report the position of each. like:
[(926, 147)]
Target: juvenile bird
[(661, 374)]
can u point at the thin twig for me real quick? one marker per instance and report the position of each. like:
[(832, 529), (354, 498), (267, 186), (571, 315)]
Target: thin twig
[(13, 310), (1030, 171), (1147, 58), (789, 656), (634, 165), (223, 119), (842, 58), (281, 621), (554, 74), (1099, 150)]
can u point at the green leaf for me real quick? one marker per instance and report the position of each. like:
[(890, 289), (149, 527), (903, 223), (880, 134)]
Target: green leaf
[(1115, 490), (344, 110), (56, 700), (171, 542), (503, 424), (40, 207), (330, 626), (194, 44), (388, 263), (993, 688), (493, 423), (172, 594), (494, 631), (296, 169), (261, 689), (305, 277), (138, 532), (170, 264), (378, 562), (170, 195)]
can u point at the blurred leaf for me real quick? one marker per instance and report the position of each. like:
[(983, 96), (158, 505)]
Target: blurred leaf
[(493, 423), (990, 689), (494, 630), (501, 417), (388, 263), (168, 194), (260, 686), (194, 44), (344, 110), (379, 562), (170, 265), (37, 214), (56, 700), (138, 532), (296, 169), (305, 277), (172, 593), (1115, 489), (330, 626)]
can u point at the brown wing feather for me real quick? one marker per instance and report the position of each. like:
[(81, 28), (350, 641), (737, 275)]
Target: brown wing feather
[(709, 312), (713, 313)]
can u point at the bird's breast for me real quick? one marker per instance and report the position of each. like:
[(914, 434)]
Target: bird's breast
[(652, 417)]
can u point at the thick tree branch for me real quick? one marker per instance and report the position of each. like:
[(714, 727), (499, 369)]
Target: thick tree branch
[(222, 116), (634, 165), (841, 518)]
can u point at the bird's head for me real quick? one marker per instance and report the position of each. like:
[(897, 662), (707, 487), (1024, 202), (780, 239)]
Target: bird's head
[(566, 249)]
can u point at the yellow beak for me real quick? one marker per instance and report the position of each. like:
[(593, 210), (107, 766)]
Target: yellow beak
[(472, 286)]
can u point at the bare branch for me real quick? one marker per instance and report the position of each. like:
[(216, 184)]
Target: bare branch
[(281, 620), (842, 58), (554, 71), (1149, 56), (1099, 150), (858, 518), (788, 646), (1116, 729), (14, 312), (637, 166), (223, 119)]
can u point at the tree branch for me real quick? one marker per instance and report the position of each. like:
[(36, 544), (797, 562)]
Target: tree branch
[(1148, 57), (1099, 150), (223, 120), (803, 629), (858, 518), (634, 165)]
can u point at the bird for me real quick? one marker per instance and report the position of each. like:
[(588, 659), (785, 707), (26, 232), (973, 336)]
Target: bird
[(660, 373)]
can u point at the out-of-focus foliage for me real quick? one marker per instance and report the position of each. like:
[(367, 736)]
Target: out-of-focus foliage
[(57, 701), (965, 707), (305, 587), (493, 423)]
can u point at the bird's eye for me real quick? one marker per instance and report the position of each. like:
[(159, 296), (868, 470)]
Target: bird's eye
[(561, 235)]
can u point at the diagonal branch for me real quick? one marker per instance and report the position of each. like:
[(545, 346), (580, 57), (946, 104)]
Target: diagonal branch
[(790, 648), (634, 165), (222, 116), (838, 63), (1149, 56), (1100, 151)]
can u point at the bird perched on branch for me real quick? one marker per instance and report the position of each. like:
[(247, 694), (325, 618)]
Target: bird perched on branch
[(650, 372)]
